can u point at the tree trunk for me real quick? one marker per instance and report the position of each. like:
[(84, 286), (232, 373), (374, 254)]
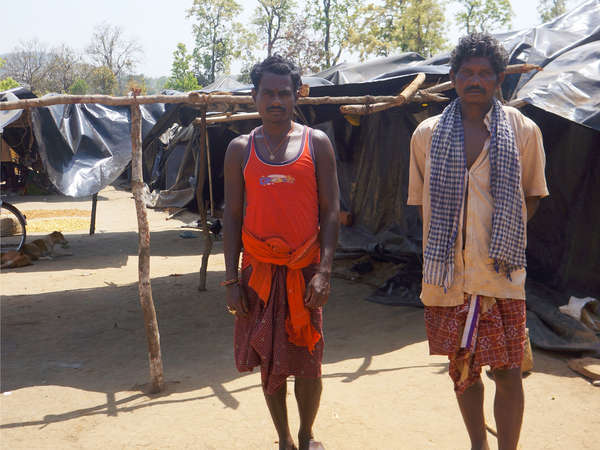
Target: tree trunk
[(144, 288)]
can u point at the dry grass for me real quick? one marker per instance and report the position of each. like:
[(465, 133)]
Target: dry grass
[(47, 213), (58, 224)]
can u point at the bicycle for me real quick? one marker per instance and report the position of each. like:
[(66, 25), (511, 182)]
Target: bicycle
[(12, 227)]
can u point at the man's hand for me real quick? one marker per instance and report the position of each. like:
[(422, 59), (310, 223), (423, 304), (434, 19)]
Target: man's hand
[(236, 300), (317, 291)]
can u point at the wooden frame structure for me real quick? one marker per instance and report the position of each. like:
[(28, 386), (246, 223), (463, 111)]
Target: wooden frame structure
[(361, 105)]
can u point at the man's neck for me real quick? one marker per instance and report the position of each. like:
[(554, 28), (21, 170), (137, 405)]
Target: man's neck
[(474, 112), (277, 128)]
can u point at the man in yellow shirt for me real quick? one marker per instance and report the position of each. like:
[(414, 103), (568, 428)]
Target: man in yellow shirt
[(477, 173)]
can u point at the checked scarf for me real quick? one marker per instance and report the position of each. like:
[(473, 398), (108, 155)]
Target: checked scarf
[(447, 188)]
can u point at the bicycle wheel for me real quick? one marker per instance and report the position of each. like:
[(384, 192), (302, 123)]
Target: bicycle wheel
[(12, 227)]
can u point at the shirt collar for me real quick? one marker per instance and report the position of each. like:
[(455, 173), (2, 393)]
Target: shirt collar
[(487, 120)]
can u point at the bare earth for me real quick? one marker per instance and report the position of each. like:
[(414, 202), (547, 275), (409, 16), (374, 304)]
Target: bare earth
[(74, 360)]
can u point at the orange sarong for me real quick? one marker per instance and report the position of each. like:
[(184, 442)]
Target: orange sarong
[(263, 255)]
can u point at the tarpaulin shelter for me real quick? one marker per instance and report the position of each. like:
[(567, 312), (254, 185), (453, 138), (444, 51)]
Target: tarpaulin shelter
[(564, 99)]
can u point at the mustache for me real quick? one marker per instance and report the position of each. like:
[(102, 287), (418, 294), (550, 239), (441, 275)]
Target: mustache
[(275, 108)]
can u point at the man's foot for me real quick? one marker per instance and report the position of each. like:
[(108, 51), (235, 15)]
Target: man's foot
[(287, 445), (309, 443)]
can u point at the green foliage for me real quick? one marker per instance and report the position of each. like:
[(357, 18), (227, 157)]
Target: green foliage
[(484, 15), (549, 9), (334, 21), (79, 87), (182, 77), (270, 19), (399, 26), (215, 34), (8, 83), (103, 81)]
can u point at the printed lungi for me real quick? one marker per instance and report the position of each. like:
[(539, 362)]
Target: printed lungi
[(498, 338), (261, 338)]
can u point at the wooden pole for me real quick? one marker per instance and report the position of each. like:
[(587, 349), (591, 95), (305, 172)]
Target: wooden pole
[(93, 217), (210, 186), (144, 287), (404, 96), (200, 202), (199, 98), (228, 117)]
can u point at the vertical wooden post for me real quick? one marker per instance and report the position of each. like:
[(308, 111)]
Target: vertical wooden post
[(210, 185), (93, 217), (145, 290), (202, 159)]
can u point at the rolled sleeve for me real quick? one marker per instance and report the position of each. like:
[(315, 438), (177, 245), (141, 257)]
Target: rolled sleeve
[(533, 161)]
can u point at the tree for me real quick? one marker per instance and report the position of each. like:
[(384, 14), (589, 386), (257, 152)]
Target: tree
[(182, 77), (8, 82), (28, 64), (103, 81), (79, 87), (215, 34), (109, 48), (549, 9), (270, 18), (399, 26), (64, 69), (334, 21), (137, 82), (483, 15), (305, 49)]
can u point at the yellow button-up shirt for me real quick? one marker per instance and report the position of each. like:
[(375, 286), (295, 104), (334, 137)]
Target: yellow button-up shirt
[(474, 271)]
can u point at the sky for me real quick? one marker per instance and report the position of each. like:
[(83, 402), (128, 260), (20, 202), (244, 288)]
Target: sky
[(157, 25)]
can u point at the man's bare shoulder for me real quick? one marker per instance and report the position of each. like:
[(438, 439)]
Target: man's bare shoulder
[(239, 144), (321, 143), (320, 137)]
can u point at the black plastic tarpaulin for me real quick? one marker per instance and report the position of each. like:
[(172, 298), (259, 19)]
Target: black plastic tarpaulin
[(83, 147)]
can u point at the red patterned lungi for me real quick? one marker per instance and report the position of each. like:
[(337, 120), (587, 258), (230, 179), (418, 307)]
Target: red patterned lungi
[(499, 339), (261, 339)]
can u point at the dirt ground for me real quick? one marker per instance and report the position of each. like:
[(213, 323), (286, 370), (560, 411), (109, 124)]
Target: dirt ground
[(74, 359)]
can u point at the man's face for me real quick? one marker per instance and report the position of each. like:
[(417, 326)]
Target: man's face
[(475, 81), (275, 98)]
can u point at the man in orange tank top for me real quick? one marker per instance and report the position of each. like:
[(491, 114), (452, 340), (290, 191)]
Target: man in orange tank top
[(282, 207)]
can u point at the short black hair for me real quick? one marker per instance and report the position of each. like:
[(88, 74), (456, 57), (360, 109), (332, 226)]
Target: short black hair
[(278, 65), (479, 45)]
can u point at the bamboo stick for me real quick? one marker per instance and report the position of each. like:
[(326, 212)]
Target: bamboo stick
[(402, 98), (200, 202), (203, 99), (144, 287), (229, 117), (198, 98)]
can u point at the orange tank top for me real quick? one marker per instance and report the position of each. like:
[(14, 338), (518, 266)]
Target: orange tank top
[(281, 198)]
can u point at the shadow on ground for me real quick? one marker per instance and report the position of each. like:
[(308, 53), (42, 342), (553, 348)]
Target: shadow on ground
[(94, 340)]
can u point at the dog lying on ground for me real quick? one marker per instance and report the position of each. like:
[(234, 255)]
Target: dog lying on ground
[(44, 247), (12, 259)]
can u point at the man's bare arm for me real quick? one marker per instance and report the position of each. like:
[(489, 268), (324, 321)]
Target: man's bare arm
[(531, 204), (232, 220), (329, 217)]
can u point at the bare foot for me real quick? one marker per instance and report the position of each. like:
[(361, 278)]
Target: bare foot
[(289, 445), (308, 443)]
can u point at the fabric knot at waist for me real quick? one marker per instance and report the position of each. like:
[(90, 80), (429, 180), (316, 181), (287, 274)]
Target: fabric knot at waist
[(263, 256)]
